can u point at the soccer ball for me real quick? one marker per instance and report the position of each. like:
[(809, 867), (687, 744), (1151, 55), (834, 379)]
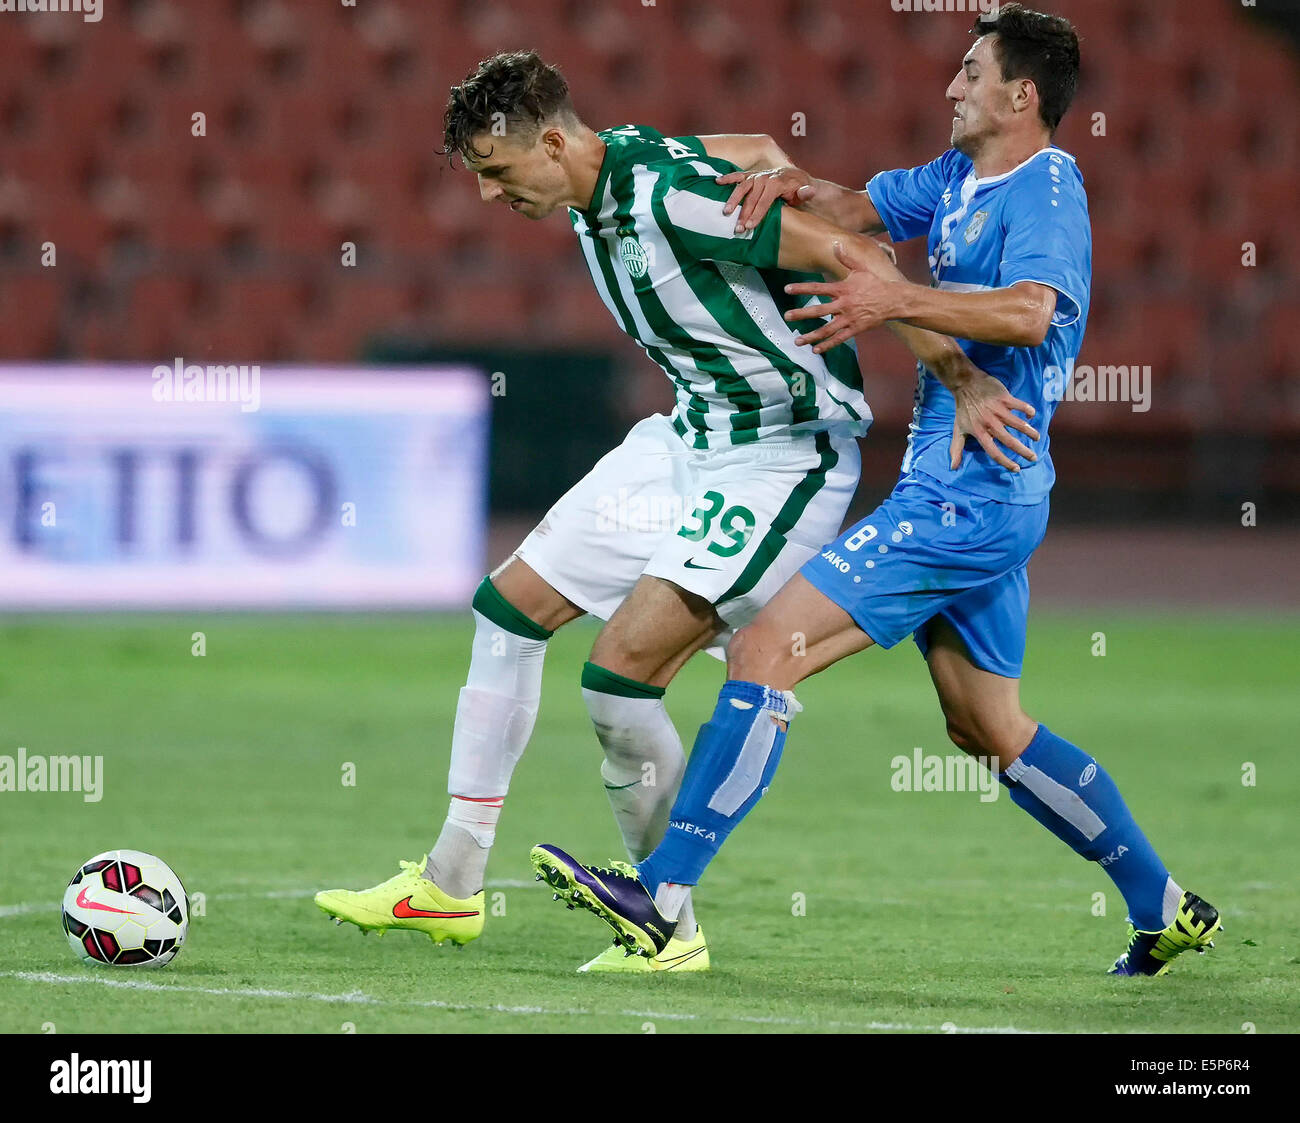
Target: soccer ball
[(125, 908)]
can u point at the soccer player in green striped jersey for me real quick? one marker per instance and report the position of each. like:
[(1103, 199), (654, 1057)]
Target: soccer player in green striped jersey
[(680, 534), (704, 303)]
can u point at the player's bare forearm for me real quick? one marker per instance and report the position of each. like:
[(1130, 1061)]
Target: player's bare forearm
[(983, 407), (941, 355), (748, 151), (847, 209), (808, 244), (1018, 316)]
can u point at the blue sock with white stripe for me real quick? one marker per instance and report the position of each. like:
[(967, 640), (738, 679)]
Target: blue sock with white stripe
[(731, 766), (1073, 797)]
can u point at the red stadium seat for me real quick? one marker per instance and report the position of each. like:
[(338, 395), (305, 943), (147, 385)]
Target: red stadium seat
[(40, 296), (326, 129)]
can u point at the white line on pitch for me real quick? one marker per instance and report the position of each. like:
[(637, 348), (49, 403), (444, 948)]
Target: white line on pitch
[(358, 998)]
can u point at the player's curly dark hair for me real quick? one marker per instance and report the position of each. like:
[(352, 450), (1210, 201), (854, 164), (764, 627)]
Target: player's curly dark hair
[(1041, 47), (518, 85)]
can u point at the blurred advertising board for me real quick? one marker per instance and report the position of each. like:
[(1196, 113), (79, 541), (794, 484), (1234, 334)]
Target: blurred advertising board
[(181, 486)]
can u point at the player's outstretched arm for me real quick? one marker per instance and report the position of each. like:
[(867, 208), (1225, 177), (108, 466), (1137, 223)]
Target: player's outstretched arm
[(811, 244), (755, 192), (985, 409), (1017, 316), (748, 151)]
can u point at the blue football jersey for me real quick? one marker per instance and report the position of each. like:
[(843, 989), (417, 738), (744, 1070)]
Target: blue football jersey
[(1029, 224)]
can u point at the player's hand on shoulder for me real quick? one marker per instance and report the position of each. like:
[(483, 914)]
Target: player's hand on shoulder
[(755, 192)]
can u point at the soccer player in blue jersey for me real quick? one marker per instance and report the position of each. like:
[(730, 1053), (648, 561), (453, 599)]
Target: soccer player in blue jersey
[(944, 558)]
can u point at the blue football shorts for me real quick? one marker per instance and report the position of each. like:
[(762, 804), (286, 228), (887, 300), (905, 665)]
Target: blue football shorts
[(928, 551)]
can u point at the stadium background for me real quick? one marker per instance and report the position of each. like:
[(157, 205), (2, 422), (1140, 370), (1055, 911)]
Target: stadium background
[(322, 124)]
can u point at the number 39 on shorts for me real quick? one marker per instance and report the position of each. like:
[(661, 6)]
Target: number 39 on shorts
[(734, 527)]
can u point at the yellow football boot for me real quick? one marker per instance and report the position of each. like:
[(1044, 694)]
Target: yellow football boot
[(679, 955), (407, 901)]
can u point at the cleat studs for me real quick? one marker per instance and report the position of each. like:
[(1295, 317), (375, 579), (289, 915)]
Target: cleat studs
[(538, 877), (555, 896), (337, 920)]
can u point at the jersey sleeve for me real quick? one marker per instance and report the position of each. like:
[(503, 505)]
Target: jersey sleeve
[(906, 199), (688, 206), (1048, 240)]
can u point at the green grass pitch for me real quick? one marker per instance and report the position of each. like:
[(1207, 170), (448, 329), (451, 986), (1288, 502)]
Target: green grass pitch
[(840, 905)]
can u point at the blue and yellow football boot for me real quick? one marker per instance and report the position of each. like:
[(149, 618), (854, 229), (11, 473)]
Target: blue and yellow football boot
[(1150, 953)]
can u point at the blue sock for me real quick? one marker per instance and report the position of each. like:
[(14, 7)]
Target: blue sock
[(731, 766), (1073, 797)]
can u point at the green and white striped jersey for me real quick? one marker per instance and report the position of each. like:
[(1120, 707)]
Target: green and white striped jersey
[(705, 303)]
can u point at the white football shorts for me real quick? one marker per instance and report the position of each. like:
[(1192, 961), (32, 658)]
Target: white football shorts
[(731, 525)]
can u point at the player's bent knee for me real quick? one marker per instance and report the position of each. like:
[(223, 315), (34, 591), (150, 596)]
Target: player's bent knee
[(1001, 740), (1011, 739), (628, 660), (601, 683), (517, 589), (961, 736), (966, 730), (753, 656)]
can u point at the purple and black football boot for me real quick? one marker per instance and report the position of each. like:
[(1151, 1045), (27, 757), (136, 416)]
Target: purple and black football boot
[(614, 893)]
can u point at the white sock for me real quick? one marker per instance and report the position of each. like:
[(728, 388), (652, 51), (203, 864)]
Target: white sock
[(671, 900), (642, 771), (1172, 899), (686, 925), (459, 857), (495, 714)]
